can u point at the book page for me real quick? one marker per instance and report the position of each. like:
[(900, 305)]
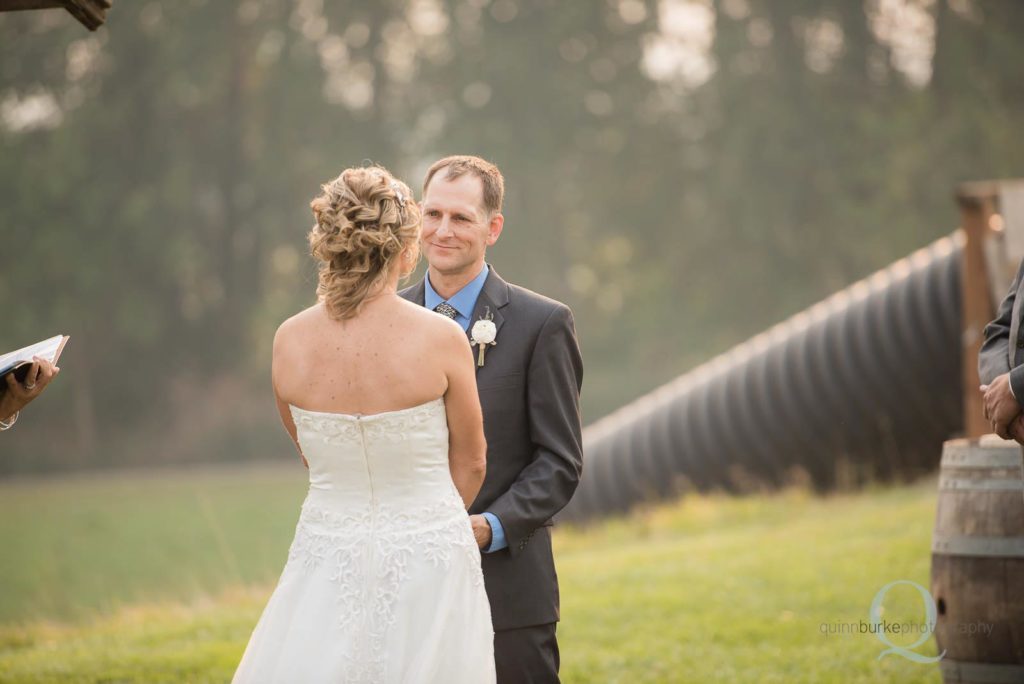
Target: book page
[(47, 349)]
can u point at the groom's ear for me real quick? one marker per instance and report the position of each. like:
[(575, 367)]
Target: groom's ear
[(494, 229)]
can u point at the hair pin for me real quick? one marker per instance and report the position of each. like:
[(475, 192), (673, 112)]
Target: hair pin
[(398, 193)]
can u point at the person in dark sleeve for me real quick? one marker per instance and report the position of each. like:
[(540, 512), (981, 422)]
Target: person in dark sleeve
[(1001, 364)]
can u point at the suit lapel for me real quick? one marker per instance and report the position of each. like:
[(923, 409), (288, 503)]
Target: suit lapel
[(417, 294), (493, 297)]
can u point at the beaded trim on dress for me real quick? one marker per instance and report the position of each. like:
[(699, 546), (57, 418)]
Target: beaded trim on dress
[(337, 428)]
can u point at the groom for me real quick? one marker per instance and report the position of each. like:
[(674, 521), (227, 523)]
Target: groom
[(529, 387)]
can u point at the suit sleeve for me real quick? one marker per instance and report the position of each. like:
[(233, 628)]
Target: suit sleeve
[(544, 487), (994, 357)]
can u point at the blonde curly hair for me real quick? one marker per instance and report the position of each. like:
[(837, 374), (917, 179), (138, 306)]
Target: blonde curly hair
[(365, 219)]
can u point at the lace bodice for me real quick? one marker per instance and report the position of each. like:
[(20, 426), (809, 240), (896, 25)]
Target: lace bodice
[(390, 462)]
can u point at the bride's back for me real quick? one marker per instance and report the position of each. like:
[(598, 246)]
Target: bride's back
[(361, 348), (382, 359), (368, 413)]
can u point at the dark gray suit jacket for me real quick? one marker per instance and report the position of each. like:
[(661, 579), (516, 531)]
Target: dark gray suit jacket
[(1003, 348), (529, 392)]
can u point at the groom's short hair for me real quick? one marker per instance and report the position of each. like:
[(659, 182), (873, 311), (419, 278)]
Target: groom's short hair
[(459, 164)]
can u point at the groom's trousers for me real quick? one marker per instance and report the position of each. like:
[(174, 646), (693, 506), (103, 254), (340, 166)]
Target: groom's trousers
[(527, 655)]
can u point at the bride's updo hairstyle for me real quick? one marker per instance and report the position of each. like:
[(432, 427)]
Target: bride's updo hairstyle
[(365, 219)]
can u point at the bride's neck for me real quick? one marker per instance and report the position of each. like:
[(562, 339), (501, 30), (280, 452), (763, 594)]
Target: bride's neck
[(388, 287)]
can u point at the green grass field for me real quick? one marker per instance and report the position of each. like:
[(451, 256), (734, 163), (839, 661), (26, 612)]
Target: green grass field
[(161, 576)]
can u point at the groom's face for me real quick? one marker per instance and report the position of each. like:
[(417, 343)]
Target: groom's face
[(456, 228)]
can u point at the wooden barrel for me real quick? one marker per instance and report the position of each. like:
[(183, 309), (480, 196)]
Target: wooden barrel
[(978, 562)]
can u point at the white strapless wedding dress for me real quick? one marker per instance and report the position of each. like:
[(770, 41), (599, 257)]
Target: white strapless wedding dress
[(383, 581)]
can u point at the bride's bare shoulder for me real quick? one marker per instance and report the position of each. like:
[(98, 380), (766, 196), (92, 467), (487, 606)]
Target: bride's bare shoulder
[(296, 327), (433, 325)]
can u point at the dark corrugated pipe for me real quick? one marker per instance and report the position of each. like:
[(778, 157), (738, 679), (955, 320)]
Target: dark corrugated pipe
[(865, 384)]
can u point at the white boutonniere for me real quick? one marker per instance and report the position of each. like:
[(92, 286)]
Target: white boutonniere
[(482, 335)]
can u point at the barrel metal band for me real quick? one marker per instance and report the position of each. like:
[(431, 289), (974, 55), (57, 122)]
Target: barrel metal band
[(974, 457), (1009, 547), (957, 484), (993, 673)]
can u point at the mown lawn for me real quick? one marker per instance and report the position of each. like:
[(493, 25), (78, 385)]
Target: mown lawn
[(160, 577)]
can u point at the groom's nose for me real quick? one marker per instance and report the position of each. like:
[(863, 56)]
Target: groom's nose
[(444, 228)]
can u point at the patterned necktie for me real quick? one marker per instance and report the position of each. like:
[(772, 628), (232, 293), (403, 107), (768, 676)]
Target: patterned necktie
[(446, 309)]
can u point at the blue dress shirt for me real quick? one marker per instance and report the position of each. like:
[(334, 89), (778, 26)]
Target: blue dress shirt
[(464, 301)]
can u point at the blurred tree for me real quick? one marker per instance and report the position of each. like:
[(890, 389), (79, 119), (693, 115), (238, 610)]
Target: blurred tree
[(683, 173)]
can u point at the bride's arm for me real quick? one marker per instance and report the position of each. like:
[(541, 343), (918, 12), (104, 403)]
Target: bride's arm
[(467, 447), (289, 425), (282, 405)]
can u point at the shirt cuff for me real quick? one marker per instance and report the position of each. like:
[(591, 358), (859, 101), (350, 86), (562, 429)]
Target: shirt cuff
[(497, 533)]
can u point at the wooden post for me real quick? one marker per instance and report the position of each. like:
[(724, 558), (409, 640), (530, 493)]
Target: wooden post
[(977, 205)]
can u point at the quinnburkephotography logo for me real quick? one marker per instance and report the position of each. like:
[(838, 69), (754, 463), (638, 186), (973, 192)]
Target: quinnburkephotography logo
[(888, 631), (929, 622)]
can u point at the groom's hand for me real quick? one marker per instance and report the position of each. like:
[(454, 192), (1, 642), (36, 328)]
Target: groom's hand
[(481, 530)]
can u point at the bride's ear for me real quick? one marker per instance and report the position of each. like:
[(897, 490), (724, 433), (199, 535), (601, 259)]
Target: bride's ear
[(407, 260)]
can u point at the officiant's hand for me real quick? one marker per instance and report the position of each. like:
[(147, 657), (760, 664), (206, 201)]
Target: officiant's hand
[(18, 395), (1016, 429), (1000, 405), (481, 530)]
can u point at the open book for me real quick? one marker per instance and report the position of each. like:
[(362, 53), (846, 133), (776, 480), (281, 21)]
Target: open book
[(19, 361)]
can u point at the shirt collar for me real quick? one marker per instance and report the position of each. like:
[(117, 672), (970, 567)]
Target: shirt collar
[(464, 300)]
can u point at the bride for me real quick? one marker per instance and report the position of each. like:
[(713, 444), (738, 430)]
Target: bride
[(383, 579)]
